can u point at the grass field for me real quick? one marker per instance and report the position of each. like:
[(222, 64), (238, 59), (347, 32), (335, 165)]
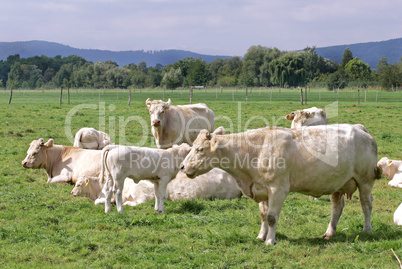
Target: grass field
[(43, 226)]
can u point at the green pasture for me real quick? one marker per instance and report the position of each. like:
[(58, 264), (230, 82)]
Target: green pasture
[(43, 226)]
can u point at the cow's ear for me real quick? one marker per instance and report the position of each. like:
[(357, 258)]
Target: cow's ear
[(389, 163), (49, 143), (214, 144), (86, 181), (148, 103), (290, 116)]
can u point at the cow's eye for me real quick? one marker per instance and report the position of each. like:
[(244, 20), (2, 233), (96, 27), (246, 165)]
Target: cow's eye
[(200, 149), (163, 111)]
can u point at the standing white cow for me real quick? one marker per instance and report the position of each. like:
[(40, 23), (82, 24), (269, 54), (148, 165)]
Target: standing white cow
[(138, 163), (271, 162), (392, 169), (307, 117), (178, 124), (90, 138)]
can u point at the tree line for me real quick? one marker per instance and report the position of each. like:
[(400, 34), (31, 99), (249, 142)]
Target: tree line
[(260, 67)]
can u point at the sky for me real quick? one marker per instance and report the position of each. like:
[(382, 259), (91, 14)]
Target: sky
[(218, 27)]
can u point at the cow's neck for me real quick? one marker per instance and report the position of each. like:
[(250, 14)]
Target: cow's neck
[(53, 156), (96, 189)]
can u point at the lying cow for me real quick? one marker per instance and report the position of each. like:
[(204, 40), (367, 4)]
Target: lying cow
[(214, 184), (89, 138), (90, 187), (178, 124), (392, 169), (271, 162), (138, 163), (398, 215), (307, 117), (62, 163)]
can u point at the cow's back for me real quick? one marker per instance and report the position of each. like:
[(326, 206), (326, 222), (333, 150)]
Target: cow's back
[(323, 158)]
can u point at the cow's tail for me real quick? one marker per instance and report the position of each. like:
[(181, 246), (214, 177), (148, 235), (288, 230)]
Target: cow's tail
[(377, 172), (105, 152)]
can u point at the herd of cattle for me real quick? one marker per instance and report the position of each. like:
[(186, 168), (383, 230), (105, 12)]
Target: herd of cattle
[(265, 164)]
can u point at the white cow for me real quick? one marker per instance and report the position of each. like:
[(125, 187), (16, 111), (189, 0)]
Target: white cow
[(178, 124), (398, 215), (133, 194), (138, 163), (392, 169), (62, 163), (269, 163), (214, 184), (307, 117), (89, 138)]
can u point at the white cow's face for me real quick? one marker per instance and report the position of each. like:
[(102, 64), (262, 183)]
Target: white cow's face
[(299, 118), (157, 109), (81, 187), (201, 157), (36, 154)]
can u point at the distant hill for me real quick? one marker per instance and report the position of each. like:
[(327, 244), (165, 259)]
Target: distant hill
[(28, 49), (369, 52)]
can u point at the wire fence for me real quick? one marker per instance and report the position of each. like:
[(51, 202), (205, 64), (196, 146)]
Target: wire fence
[(220, 95)]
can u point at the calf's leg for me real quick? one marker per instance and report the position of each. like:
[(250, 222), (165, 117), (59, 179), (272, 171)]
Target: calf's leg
[(366, 201)]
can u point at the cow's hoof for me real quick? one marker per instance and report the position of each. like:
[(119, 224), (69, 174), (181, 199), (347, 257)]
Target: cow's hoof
[(270, 242), (326, 236)]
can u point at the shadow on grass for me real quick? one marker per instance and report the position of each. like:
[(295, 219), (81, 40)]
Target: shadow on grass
[(385, 233)]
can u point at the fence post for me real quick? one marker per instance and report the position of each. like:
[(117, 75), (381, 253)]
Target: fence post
[(129, 96), (11, 96), (61, 95), (246, 96), (191, 95), (301, 96), (68, 95), (358, 96)]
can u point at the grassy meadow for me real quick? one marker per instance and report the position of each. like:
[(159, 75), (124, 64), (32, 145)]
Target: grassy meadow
[(43, 226)]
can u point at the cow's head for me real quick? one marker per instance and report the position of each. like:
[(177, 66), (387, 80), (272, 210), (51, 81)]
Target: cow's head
[(81, 187), (157, 109), (385, 165), (300, 117), (200, 160), (36, 154)]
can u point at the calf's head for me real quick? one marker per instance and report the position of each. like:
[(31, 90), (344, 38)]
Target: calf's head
[(36, 154), (81, 187), (200, 160), (157, 109), (386, 165)]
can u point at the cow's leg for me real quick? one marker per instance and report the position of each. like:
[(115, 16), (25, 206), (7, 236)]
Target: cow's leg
[(160, 191), (337, 204), (119, 185), (264, 222), (59, 178), (366, 201), (107, 190), (275, 202)]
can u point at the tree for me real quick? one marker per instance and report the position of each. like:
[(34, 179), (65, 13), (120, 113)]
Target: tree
[(197, 73), (346, 57), (172, 78), (382, 64), (358, 71), (14, 76), (391, 76)]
